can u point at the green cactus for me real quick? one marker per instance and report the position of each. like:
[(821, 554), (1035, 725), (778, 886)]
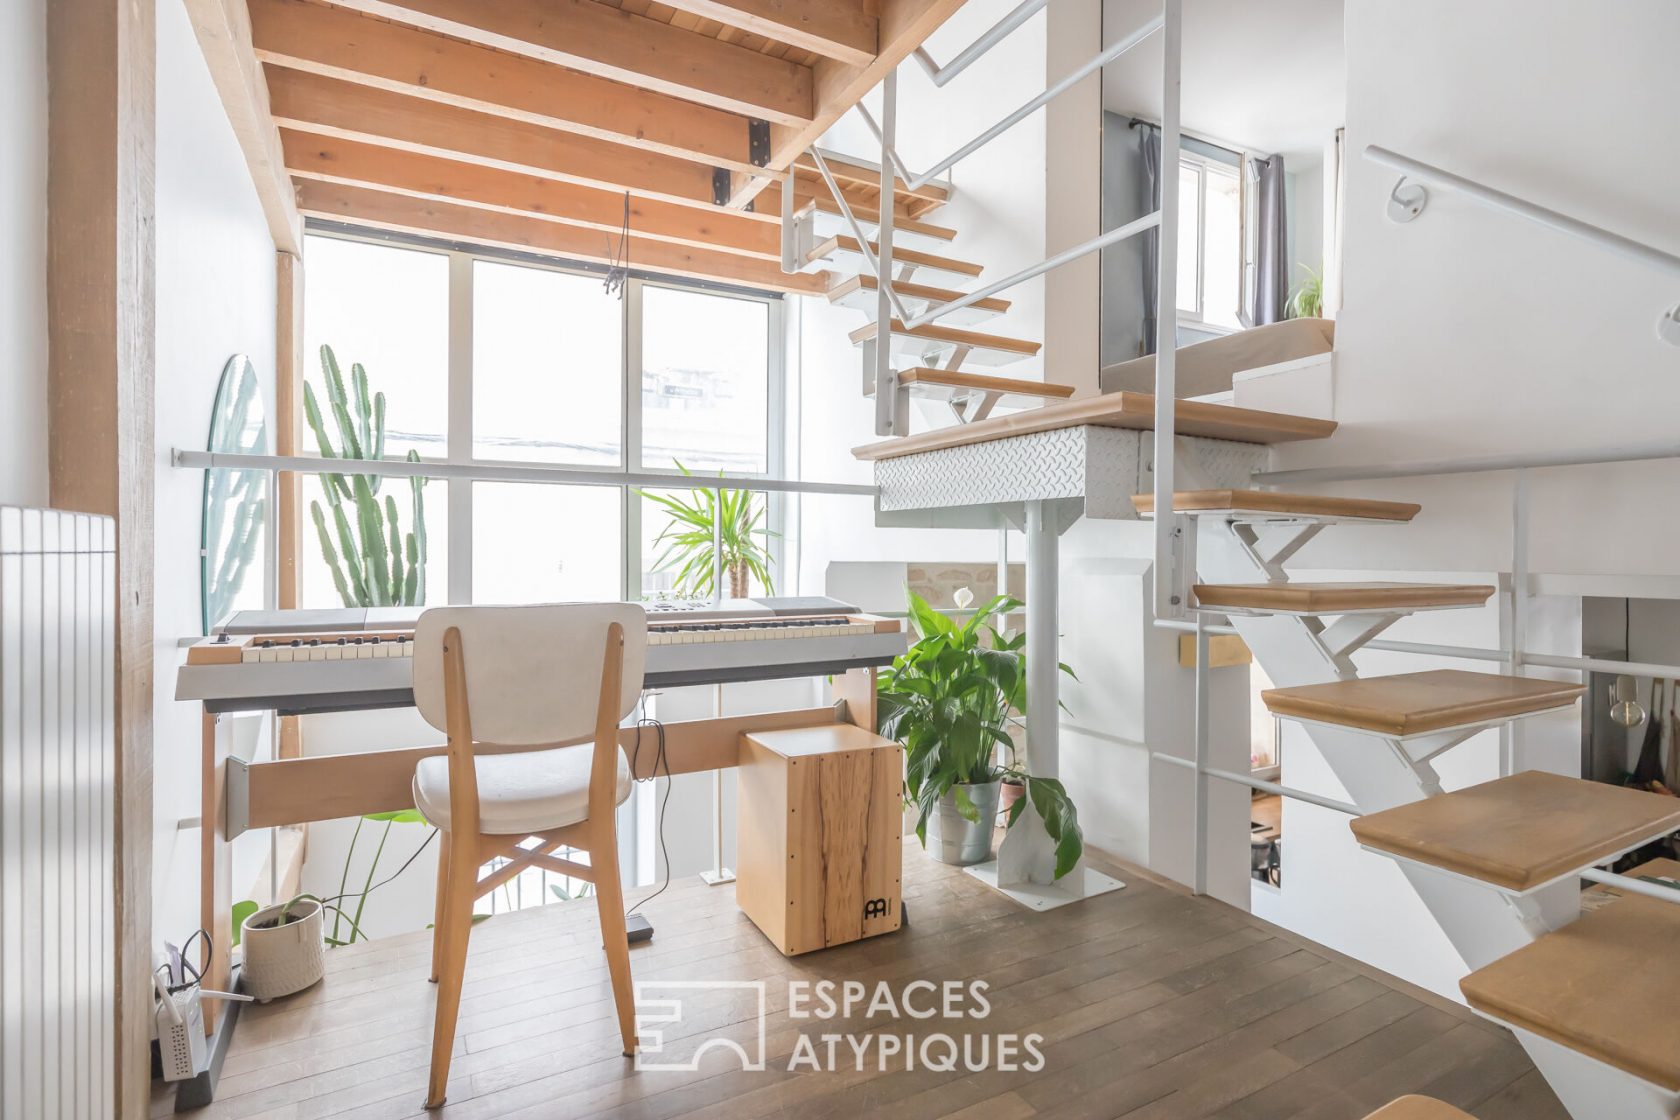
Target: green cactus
[(373, 562)]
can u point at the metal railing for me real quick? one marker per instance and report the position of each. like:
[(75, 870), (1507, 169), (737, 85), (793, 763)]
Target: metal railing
[(1408, 200), (996, 34)]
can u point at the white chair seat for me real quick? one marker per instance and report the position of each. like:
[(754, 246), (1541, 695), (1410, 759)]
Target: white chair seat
[(521, 792)]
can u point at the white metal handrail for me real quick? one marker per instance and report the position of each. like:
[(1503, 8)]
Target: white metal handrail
[(998, 32), (1263, 786), (1519, 460), (505, 472), (1119, 233), (1632, 885), (857, 231), (1407, 202)]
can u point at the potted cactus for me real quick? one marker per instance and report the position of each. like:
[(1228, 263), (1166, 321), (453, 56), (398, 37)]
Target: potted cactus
[(373, 562)]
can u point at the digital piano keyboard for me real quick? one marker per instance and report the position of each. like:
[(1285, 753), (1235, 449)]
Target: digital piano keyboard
[(304, 661)]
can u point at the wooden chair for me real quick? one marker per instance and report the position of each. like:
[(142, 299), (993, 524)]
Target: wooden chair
[(535, 754)]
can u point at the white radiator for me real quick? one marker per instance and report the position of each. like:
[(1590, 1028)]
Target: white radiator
[(57, 835)]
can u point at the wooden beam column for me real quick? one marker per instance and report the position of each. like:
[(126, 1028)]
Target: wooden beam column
[(288, 410), (101, 146)]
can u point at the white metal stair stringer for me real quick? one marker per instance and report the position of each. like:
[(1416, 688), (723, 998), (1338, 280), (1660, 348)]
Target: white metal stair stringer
[(1482, 923)]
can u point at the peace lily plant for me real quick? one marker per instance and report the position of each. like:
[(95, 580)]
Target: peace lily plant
[(950, 699)]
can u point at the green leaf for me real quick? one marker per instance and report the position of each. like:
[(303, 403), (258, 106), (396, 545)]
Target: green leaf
[(398, 816), (1061, 820), (965, 805), (242, 909)]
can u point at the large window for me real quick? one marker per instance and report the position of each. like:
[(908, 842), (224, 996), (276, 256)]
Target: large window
[(1210, 242), (495, 362)]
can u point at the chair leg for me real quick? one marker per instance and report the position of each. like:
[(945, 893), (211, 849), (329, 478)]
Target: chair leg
[(441, 906), (456, 928), (609, 897)]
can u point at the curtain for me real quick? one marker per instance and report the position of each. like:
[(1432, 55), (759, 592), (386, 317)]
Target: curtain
[(1149, 146), (1333, 251), (1270, 291)]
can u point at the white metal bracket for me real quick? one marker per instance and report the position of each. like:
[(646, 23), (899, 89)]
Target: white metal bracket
[(1428, 781), (1406, 201), (954, 360), (1422, 748), (1668, 327), (1270, 545), (1349, 633)]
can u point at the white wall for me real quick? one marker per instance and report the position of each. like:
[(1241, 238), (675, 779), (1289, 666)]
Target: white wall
[(1470, 332), (215, 298), (23, 265)]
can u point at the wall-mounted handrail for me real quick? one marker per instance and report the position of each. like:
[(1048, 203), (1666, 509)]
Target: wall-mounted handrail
[(1119, 233), (1630, 884), (996, 34), (1519, 460), (1412, 204), (1079, 74), (857, 232), (504, 472), (1262, 785)]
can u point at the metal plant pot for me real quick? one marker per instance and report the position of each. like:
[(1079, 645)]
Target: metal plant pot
[(955, 840)]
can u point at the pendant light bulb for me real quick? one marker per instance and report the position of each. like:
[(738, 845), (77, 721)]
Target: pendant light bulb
[(1625, 708)]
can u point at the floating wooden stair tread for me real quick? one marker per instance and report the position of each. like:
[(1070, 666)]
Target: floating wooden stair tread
[(1606, 985), (1418, 1108), (1135, 411), (1420, 703), (847, 244), (1266, 503), (1340, 598), (869, 215), (1521, 832), (952, 336), (859, 292), (865, 181)]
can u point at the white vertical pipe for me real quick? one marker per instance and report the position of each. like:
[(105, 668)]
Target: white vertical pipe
[(717, 546), (1202, 731), (1519, 609), (1042, 658), (1003, 557), (887, 420), (1167, 601)]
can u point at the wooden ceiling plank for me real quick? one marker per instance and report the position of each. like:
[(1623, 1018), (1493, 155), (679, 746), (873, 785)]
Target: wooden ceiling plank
[(356, 48), (593, 38), (353, 163), (403, 214), (330, 107), (838, 29), (904, 25)]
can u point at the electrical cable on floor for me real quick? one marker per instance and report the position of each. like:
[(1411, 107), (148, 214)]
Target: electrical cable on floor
[(659, 759)]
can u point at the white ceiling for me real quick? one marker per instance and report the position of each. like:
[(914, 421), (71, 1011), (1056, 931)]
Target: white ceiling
[(1269, 77)]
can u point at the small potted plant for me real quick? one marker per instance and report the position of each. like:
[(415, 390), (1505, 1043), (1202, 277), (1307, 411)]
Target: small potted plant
[(950, 699), (285, 951)]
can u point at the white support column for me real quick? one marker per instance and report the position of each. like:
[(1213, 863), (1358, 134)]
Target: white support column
[(1511, 741), (889, 418), (1168, 602), (1042, 653), (1203, 714)]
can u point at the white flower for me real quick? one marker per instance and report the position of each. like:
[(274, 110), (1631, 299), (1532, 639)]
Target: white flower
[(963, 598)]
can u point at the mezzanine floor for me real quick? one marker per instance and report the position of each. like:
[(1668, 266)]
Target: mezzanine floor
[(1151, 1004)]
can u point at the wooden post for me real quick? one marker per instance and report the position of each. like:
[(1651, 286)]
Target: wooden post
[(288, 408), (101, 145)]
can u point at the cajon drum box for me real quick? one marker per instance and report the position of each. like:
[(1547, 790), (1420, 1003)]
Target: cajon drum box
[(820, 835)]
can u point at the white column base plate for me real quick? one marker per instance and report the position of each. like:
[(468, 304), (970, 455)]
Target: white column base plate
[(719, 877), (1081, 882)]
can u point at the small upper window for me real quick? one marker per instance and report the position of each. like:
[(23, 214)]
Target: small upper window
[(1210, 243)]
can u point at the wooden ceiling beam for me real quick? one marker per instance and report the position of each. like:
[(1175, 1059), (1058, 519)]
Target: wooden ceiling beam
[(352, 163), (598, 39), (839, 29), (404, 214), (330, 107), (904, 26), (355, 48)]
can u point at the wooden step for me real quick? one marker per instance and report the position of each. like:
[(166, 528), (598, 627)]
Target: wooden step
[(1418, 1108), (1339, 598), (1420, 703), (1606, 985), (1127, 411), (863, 180), (858, 292), (934, 339), (1266, 505), (844, 249), (907, 232), (1521, 832)]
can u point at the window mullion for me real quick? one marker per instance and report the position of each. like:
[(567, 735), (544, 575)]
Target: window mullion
[(460, 438)]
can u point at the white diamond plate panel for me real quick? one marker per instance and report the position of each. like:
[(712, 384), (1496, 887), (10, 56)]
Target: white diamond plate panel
[(1102, 466)]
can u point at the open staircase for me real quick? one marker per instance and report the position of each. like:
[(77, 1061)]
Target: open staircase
[(1593, 997), (947, 360)]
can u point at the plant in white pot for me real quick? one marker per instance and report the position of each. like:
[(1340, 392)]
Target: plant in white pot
[(284, 948), (950, 700)]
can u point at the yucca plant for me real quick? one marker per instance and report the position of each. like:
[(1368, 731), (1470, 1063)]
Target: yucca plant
[(374, 563), (736, 516)]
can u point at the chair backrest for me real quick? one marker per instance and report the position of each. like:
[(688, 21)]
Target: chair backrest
[(533, 672)]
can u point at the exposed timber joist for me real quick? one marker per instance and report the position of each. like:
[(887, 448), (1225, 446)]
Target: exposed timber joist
[(372, 52), (351, 163), (607, 42), (843, 30), (449, 221)]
